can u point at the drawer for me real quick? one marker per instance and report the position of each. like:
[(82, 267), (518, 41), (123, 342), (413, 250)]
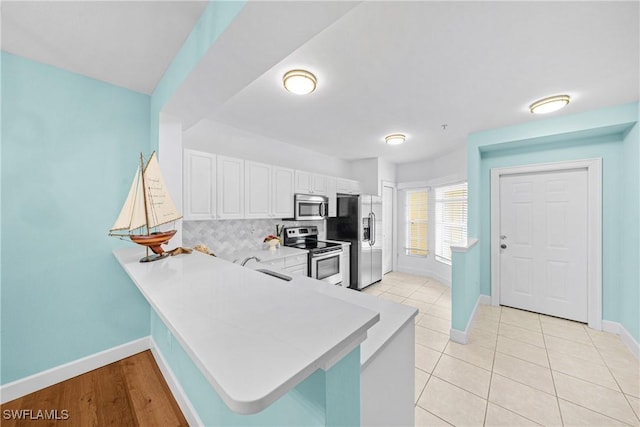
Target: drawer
[(296, 260), (298, 270), (277, 263)]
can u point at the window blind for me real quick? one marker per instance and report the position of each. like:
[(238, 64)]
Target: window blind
[(451, 218), (416, 208)]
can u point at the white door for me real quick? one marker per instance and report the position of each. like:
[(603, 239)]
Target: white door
[(387, 226), (543, 241)]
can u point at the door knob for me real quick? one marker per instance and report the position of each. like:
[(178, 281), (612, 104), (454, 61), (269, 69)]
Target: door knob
[(503, 246)]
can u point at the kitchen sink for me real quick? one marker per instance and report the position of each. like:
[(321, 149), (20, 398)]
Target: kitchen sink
[(274, 274)]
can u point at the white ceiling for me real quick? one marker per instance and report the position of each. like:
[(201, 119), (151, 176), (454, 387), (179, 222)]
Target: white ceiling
[(409, 67), (382, 67), (125, 43)]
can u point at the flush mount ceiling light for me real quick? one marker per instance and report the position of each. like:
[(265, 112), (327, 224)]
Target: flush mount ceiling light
[(550, 104), (300, 82), (395, 138)]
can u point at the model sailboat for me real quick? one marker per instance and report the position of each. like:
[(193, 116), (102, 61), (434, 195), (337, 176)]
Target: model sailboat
[(147, 207)]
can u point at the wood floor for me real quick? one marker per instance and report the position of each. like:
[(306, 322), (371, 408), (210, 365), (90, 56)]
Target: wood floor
[(130, 392)]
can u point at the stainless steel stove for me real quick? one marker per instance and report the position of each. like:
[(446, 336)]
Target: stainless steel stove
[(324, 257)]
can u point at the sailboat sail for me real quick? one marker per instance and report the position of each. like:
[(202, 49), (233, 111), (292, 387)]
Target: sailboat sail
[(160, 206), (148, 205), (132, 214)]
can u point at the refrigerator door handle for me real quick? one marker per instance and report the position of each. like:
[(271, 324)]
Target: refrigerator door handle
[(372, 228)]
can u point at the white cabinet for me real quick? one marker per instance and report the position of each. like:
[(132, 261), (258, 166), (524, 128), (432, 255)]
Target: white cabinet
[(348, 186), (230, 187), (199, 185), (319, 184), (310, 183), (297, 265), (282, 191), (345, 265), (331, 194), (294, 265), (268, 191), (223, 187), (303, 182), (257, 190)]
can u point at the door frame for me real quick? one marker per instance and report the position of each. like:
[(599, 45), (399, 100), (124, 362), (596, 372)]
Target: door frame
[(394, 221), (594, 225)]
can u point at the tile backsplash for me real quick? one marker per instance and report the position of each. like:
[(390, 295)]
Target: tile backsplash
[(228, 236)]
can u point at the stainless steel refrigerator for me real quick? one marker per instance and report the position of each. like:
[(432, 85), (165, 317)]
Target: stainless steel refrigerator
[(359, 221)]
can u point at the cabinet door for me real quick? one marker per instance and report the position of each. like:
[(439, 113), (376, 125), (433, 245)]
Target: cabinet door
[(298, 270), (282, 190), (230, 187), (319, 185), (348, 186), (342, 186), (303, 182), (257, 190), (199, 185), (331, 194), (346, 272)]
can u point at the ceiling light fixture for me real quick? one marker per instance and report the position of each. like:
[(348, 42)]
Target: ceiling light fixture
[(395, 138), (300, 82), (550, 104)]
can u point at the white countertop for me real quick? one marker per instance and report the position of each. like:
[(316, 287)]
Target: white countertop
[(393, 316), (254, 337)]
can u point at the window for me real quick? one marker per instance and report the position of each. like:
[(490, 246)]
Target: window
[(451, 219), (416, 209)]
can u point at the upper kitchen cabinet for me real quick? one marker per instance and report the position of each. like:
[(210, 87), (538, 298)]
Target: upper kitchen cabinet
[(310, 183), (257, 190), (331, 194), (230, 187), (282, 190), (319, 184), (348, 186), (199, 183)]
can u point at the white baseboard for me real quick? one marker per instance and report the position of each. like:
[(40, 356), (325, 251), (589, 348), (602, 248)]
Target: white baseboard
[(423, 272), (484, 300), (181, 397), (625, 336), (462, 337), (35, 382)]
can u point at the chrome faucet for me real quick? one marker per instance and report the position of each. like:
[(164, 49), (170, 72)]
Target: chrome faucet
[(246, 260)]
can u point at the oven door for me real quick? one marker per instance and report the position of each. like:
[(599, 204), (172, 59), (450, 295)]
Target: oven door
[(326, 267)]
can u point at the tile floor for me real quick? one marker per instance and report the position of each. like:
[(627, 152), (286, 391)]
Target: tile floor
[(518, 369)]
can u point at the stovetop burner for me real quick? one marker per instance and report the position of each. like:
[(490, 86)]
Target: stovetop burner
[(313, 245), (307, 238)]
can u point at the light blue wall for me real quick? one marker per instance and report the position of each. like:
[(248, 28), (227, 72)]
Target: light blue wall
[(466, 267), (330, 398), (600, 133), (213, 21), (70, 146)]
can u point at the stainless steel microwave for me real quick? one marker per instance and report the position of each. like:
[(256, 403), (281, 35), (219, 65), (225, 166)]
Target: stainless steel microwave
[(310, 207)]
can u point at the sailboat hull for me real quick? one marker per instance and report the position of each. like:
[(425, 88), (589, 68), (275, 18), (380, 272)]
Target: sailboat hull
[(154, 240)]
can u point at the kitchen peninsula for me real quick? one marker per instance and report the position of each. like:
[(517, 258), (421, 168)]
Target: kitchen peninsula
[(251, 349)]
